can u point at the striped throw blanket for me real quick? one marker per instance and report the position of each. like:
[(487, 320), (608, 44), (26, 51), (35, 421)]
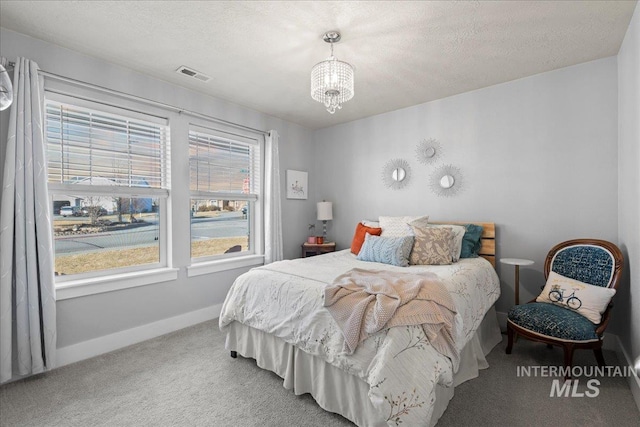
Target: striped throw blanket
[(363, 302)]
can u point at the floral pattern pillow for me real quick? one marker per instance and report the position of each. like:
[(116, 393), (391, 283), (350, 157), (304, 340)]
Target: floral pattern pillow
[(457, 234), (432, 246)]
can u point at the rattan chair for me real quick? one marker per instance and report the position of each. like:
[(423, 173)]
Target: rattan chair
[(592, 261)]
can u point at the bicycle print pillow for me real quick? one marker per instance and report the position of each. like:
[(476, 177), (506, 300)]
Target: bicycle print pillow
[(588, 300)]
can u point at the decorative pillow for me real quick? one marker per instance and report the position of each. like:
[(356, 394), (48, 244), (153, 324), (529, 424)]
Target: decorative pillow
[(397, 226), (588, 300), (372, 224), (388, 250), (471, 241), (432, 246), (358, 237), (456, 237)]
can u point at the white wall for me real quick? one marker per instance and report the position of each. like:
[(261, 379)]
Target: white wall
[(86, 318), (627, 310), (539, 157)]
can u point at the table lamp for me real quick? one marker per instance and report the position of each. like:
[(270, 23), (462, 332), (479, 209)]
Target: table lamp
[(325, 213)]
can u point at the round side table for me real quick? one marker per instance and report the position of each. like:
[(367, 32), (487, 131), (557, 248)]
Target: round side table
[(517, 262)]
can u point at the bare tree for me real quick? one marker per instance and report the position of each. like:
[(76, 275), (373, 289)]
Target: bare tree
[(93, 208), (119, 173), (119, 206), (133, 206)]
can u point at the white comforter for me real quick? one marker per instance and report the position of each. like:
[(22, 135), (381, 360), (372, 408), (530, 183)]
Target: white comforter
[(285, 299)]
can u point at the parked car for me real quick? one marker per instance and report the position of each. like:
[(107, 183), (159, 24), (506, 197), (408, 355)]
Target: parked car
[(59, 204), (85, 211), (70, 211)]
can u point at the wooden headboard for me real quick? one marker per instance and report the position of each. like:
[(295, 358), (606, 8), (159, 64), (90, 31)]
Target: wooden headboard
[(488, 239)]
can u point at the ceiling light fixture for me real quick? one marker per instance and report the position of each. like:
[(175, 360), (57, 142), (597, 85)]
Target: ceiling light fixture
[(331, 79), (6, 91)]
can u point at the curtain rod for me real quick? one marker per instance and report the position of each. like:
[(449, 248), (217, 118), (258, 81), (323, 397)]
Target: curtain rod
[(145, 100)]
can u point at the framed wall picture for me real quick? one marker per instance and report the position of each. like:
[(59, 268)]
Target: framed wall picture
[(297, 185)]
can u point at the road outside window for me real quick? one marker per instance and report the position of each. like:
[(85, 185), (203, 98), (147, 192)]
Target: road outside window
[(219, 227), (117, 233)]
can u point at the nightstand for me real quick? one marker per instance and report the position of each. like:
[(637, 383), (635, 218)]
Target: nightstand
[(517, 262), (311, 249)]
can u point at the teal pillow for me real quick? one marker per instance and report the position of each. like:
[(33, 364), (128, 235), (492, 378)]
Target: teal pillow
[(387, 250), (471, 241)]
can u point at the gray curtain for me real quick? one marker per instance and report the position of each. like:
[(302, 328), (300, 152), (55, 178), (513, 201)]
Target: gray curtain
[(273, 248), (27, 293)]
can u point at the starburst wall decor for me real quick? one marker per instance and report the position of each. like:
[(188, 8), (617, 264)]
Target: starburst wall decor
[(428, 151), (396, 174), (446, 181)]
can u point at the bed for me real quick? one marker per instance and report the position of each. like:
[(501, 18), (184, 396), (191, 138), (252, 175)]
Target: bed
[(275, 315)]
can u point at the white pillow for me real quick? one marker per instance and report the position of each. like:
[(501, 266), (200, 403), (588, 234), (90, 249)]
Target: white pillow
[(457, 232), (588, 300), (398, 226)]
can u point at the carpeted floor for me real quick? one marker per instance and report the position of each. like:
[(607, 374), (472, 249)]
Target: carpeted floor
[(188, 379)]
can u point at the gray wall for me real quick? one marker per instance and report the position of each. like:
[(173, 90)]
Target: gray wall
[(547, 158), (627, 311), (84, 318), (539, 157)]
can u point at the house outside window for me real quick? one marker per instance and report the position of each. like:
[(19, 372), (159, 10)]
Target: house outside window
[(225, 185), (108, 174)]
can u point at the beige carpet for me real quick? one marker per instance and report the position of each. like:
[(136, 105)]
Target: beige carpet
[(187, 379)]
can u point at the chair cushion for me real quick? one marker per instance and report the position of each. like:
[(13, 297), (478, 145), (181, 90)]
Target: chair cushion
[(553, 321)]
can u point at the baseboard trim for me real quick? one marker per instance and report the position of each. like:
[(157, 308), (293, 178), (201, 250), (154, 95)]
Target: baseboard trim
[(97, 346), (633, 380)]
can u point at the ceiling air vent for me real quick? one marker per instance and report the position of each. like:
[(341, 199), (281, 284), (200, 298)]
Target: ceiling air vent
[(190, 72)]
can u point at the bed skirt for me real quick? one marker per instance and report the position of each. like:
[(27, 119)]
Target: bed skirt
[(345, 394)]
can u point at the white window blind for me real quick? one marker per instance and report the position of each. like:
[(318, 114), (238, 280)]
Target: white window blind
[(85, 145), (110, 165), (225, 166)]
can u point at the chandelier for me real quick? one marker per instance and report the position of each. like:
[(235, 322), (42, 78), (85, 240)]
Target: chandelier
[(331, 79), (6, 92)]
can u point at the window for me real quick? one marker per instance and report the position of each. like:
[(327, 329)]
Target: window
[(225, 193), (108, 173)]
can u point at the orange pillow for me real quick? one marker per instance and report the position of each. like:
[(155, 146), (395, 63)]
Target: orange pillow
[(361, 232)]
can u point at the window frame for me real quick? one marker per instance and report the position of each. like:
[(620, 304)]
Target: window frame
[(255, 254), (91, 282)]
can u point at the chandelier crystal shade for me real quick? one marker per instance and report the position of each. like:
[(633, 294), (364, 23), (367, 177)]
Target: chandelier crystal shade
[(6, 91), (332, 79)]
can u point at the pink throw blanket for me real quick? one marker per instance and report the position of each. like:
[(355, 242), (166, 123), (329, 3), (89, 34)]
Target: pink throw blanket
[(364, 302)]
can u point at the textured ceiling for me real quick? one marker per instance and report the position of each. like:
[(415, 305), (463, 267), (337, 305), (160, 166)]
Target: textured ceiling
[(259, 54)]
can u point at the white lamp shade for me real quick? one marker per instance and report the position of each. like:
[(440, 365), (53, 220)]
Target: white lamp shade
[(325, 211)]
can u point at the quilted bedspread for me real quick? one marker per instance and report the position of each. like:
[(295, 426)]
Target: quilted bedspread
[(285, 299)]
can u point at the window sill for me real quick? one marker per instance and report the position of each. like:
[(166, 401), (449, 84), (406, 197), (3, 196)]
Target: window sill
[(224, 265), (114, 282)]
